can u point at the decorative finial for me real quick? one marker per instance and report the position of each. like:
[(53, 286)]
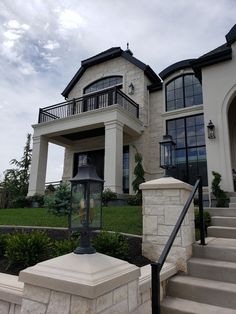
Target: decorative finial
[(127, 46)]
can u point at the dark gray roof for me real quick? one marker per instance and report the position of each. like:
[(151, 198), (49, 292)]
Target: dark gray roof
[(175, 67), (108, 55)]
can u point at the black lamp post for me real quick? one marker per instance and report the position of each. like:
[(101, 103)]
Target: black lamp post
[(86, 204), (167, 152), (211, 130)]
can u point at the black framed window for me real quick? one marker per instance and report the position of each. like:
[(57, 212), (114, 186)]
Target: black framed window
[(103, 83), (184, 91), (189, 136)]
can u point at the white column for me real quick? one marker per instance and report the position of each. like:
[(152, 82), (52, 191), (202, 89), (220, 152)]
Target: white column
[(163, 201), (113, 165), (38, 166)]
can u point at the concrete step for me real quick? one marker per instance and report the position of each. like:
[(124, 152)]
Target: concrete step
[(212, 269), (203, 290), (221, 211), (172, 305), (232, 199), (218, 249), (221, 232), (232, 205), (223, 221)]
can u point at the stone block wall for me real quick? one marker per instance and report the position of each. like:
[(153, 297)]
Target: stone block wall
[(10, 294), (163, 201), (123, 299)]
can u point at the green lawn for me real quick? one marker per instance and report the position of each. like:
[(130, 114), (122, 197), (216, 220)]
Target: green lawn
[(126, 219)]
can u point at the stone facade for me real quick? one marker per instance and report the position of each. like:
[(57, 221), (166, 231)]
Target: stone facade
[(163, 201)]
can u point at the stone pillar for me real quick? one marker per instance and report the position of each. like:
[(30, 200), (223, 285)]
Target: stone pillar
[(163, 201), (38, 166), (73, 284), (113, 171)]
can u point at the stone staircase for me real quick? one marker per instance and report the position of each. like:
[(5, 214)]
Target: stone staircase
[(210, 285)]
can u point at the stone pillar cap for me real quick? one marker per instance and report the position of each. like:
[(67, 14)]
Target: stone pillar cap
[(87, 275), (165, 183)]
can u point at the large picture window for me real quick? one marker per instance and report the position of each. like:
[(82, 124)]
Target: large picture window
[(184, 91), (188, 134)]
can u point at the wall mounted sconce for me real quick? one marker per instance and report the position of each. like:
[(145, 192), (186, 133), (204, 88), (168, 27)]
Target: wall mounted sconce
[(131, 89), (211, 130)]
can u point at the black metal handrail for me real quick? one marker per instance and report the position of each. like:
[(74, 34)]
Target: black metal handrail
[(93, 101), (157, 266)]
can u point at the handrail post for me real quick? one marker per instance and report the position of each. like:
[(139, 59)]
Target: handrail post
[(40, 113), (156, 288), (201, 214), (115, 100), (73, 106)]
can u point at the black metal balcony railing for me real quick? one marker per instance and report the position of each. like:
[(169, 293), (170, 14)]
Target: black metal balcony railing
[(89, 102)]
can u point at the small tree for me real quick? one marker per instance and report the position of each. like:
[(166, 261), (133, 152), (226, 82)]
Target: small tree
[(16, 180), (138, 172), (59, 202)]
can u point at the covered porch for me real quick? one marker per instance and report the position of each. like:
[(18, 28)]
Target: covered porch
[(107, 128)]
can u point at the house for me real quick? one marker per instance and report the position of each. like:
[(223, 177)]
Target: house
[(116, 105)]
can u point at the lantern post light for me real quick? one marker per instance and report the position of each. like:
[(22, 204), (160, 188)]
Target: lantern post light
[(167, 152), (86, 204), (211, 130)]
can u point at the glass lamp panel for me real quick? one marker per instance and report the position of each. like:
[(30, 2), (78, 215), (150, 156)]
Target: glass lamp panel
[(95, 210), (78, 206)]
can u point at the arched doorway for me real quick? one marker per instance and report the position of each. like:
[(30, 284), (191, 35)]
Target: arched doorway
[(232, 136)]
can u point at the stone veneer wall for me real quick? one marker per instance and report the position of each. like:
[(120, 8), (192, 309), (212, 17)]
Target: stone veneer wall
[(133, 297), (11, 291)]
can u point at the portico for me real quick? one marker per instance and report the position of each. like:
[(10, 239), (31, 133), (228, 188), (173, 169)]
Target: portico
[(116, 122)]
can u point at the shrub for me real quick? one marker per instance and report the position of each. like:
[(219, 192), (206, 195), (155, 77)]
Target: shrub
[(135, 200), (27, 249), (112, 244), (3, 239), (138, 172), (207, 219), (108, 195), (64, 246), (219, 194), (36, 198), (19, 202), (59, 202)]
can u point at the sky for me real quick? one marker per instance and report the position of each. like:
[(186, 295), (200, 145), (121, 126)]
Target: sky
[(43, 42)]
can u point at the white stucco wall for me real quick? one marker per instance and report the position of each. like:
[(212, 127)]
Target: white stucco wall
[(219, 89)]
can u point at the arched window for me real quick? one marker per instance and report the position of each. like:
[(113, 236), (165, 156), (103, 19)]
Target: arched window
[(103, 83), (184, 91)]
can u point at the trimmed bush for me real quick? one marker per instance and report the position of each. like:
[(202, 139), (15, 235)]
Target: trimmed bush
[(135, 200), (36, 199), (207, 219), (3, 239), (220, 195), (27, 249), (108, 195), (64, 246), (112, 244)]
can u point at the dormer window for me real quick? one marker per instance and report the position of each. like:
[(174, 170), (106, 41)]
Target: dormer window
[(184, 91), (103, 84)]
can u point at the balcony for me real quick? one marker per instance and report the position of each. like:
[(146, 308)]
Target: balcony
[(91, 102)]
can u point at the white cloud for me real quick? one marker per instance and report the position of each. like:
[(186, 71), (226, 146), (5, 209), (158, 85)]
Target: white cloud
[(51, 45), (70, 20), (12, 35)]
